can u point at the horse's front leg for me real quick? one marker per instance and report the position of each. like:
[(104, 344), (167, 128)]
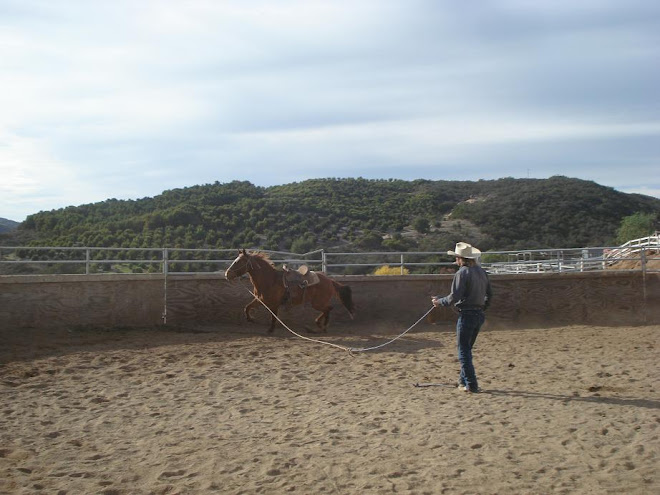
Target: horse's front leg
[(247, 309), (274, 307), (273, 321), (273, 318)]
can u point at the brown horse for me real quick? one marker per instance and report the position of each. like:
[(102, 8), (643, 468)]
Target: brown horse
[(270, 288)]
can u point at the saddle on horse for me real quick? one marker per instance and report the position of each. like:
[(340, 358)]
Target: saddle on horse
[(302, 277), (296, 281)]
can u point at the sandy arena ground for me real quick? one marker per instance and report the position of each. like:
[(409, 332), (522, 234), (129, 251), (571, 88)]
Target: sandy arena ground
[(233, 410)]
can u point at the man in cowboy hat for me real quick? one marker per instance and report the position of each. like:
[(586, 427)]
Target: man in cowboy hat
[(471, 294)]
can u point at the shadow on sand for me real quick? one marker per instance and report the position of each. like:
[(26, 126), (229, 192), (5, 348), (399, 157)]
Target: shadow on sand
[(25, 344), (598, 399)]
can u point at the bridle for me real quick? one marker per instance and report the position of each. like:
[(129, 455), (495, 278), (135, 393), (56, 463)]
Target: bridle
[(247, 266)]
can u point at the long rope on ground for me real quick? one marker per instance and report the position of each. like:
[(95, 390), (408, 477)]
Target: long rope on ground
[(364, 349), (350, 350)]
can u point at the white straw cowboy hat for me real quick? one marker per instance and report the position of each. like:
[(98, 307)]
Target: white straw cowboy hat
[(464, 250)]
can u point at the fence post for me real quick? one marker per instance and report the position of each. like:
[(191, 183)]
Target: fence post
[(401, 263), (323, 262), (165, 271), (87, 261), (165, 261), (644, 286), (643, 260)]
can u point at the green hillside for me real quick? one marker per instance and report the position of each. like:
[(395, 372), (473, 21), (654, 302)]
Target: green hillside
[(7, 225), (348, 214)]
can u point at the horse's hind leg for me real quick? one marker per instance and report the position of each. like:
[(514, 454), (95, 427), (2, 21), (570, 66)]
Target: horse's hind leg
[(323, 319)]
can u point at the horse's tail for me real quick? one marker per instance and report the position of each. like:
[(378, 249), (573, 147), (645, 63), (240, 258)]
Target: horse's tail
[(345, 296)]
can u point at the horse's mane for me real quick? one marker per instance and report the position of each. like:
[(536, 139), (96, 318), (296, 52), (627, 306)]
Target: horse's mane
[(263, 256)]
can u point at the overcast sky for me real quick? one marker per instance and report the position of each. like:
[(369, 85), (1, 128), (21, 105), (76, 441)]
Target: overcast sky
[(127, 98)]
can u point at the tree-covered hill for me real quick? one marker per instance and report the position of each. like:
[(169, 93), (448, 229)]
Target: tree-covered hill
[(7, 225), (348, 214)]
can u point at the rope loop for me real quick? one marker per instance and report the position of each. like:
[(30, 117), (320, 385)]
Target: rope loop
[(364, 349), (343, 348)]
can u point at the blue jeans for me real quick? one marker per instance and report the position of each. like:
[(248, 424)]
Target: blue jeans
[(467, 328)]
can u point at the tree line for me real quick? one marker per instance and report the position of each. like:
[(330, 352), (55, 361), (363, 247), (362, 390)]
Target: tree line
[(350, 214)]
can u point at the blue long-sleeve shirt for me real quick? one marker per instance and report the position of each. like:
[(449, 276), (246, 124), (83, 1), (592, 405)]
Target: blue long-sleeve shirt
[(470, 289)]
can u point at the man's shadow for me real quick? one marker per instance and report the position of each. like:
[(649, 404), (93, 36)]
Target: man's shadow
[(598, 399)]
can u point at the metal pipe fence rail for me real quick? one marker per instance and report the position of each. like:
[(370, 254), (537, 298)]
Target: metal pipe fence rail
[(501, 262), (93, 260)]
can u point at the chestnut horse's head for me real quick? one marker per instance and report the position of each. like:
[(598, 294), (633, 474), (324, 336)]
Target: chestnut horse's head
[(240, 265)]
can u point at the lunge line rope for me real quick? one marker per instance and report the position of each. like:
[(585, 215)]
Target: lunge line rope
[(350, 350), (295, 333), (363, 349)]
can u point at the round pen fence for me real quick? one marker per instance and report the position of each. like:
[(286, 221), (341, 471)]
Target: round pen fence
[(114, 287), (639, 254), (25, 260)]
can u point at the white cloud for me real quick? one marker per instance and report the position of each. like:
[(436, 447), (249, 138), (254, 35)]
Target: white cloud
[(431, 135), (647, 191), (183, 93), (33, 180)]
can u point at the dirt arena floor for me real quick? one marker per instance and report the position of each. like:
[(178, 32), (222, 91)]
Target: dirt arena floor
[(235, 411)]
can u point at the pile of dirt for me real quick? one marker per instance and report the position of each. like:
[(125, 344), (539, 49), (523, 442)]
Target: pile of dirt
[(652, 262)]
